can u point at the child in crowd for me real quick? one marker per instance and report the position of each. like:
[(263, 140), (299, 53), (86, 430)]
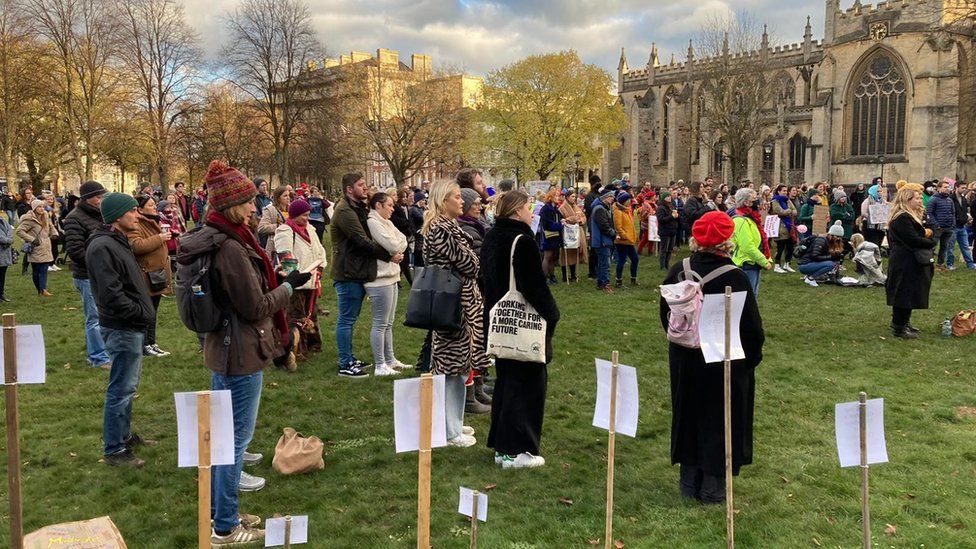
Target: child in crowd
[(867, 258)]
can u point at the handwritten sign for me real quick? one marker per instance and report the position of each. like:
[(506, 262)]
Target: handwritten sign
[(879, 213), (627, 402), (711, 327), (652, 235), (821, 219), (847, 428), (771, 226)]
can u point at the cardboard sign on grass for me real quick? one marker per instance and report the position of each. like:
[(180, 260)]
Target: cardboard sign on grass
[(406, 414), (221, 429), (627, 402), (466, 502), (711, 327), (31, 355), (274, 534), (847, 427), (821, 219)]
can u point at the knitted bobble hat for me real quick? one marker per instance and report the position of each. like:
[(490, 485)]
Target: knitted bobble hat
[(227, 187)]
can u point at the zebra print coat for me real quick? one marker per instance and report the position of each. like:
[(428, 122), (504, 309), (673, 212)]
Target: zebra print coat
[(456, 353)]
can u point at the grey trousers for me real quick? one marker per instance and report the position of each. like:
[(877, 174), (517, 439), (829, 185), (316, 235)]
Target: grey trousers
[(383, 300)]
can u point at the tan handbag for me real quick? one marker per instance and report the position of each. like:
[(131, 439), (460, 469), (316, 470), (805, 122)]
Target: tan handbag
[(964, 323), (297, 454)]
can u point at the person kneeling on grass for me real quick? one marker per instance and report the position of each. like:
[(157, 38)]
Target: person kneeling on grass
[(698, 415), (822, 254), (867, 257)]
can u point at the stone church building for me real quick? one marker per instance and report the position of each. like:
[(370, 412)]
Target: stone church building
[(890, 87)]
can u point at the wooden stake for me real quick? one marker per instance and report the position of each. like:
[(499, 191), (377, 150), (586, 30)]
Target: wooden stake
[(729, 508), (862, 410), (288, 532), (203, 469), (608, 541), (474, 519), (13, 431), (423, 467)]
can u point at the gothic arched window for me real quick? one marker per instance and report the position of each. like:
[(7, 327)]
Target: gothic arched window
[(879, 101), (798, 152)]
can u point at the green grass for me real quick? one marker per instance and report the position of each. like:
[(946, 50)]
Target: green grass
[(822, 346)]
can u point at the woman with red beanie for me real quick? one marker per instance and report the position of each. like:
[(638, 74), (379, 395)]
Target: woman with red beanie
[(698, 420)]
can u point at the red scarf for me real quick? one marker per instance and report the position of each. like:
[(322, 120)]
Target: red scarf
[(300, 231), (754, 216), (242, 233)]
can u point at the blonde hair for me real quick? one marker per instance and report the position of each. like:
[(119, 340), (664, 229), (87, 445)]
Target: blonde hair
[(856, 240), (724, 248), (902, 205), (439, 193)]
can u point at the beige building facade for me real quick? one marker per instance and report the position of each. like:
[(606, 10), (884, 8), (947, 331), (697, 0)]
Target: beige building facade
[(889, 87)]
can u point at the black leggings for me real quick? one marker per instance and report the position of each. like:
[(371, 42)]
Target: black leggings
[(3, 281), (151, 329), (786, 245), (900, 317)]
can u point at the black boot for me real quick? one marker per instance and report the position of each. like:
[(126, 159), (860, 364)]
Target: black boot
[(910, 328), (712, 489), (564, 274), (479, 391), (423, 361), (633, 281), (903, 332), (471, 404), (690, 481), (619, 283)]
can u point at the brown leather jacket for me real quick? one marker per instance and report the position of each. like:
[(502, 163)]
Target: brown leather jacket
[(150, 250)]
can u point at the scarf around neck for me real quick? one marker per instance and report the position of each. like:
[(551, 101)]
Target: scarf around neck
[(300, 231), (754, 216), (783, 202)]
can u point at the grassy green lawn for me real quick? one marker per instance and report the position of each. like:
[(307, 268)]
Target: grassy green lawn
[(823, 345)]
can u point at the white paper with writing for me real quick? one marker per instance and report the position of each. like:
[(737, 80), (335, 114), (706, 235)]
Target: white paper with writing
[(274, 533), (627, 402), (31, 355), (771, 226), (406, 414), (466, 503), (711, 327), (879, 212), (847, 427), (221, 429)]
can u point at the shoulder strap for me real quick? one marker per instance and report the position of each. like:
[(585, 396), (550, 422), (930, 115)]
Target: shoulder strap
[(717, 273), (687, 273), (511, 265)]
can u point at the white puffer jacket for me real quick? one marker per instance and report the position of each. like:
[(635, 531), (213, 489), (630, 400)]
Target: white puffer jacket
[(307, 253), (387, 235)]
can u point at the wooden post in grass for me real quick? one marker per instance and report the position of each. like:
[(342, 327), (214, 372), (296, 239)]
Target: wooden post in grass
[(608, 540), (862, 410), (13, 431), (203, 469), (474, 519), (729, 508), (423, 467), (288, 532)]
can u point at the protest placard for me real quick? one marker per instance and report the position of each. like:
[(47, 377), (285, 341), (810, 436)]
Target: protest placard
[(771, 226), (406, 414), (627, 402), (221, 429), (711, 327)]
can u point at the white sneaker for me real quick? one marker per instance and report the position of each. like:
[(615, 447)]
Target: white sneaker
[(54, 268), (810, 281), (384, 370), (467, 430), (397, 365), (524, 460), (252, 458), (778, 269), (462, 441), (250, 483), (787, 268)]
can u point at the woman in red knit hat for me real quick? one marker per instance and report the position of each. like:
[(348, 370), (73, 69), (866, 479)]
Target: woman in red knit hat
[(697, 425)]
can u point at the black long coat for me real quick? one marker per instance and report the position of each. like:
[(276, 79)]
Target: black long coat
[(697, 389), (909, 281), (519, 397)]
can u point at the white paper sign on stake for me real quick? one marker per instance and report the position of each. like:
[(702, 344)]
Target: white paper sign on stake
[(627, 401), (274, 533), (879, 212), (465, 503), (711, 327), (652, 235), (771, 226), (847, 425), (31, 355), (221, 429), (406, 414)]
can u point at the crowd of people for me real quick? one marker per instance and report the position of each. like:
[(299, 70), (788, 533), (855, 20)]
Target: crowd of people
[(269, 267)]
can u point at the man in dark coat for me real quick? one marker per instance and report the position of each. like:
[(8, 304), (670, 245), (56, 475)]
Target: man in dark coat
[(124, 312), (961, 210), (697, 389), (588, 201), (941, 214), (602, 235), (79, 225)]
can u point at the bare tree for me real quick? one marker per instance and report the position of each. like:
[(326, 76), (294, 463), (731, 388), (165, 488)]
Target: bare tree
[(16, 81), (270, 45), (82, 35), (737, 88), (230, 127), (160, 51)]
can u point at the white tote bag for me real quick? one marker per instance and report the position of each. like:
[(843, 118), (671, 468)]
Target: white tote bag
[(571, 237), (516, 331)]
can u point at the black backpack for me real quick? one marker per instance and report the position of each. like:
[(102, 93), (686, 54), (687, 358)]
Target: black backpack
[(196, 289)]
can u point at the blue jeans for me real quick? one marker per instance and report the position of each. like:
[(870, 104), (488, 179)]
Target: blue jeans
[(752, 273), (39, 276), (125, 349), (625, 251), (93, 338), (962, 238), (350, 296), (816, 269), (245, 396), (602, 266)]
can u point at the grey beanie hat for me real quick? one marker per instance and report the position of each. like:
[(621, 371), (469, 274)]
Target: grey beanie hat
[(836, 230), (838, 194), (468, 198)]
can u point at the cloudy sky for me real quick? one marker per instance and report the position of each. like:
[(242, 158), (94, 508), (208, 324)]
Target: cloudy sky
[(481, 35)]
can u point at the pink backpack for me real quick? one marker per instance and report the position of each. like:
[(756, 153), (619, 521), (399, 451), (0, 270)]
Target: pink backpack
[(684, 298)]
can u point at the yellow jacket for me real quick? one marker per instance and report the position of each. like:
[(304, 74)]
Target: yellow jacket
[(623, 222)]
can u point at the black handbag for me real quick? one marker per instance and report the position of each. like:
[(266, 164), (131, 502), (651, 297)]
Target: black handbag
[(924, 256), (157, 280), (435, 300)]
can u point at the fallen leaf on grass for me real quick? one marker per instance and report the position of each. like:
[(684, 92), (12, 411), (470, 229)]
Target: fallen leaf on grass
[(565, 501), (72, 454), (890, 530), (274, 383), (908, 496), (816, 542), (490, 487), (831, 521), (565, 467), (593, 542), (785, 480), (67, 366), (618, 544), (963, 412)]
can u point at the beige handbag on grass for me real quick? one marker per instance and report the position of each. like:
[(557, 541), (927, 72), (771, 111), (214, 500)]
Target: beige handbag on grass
[(297, 454)]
